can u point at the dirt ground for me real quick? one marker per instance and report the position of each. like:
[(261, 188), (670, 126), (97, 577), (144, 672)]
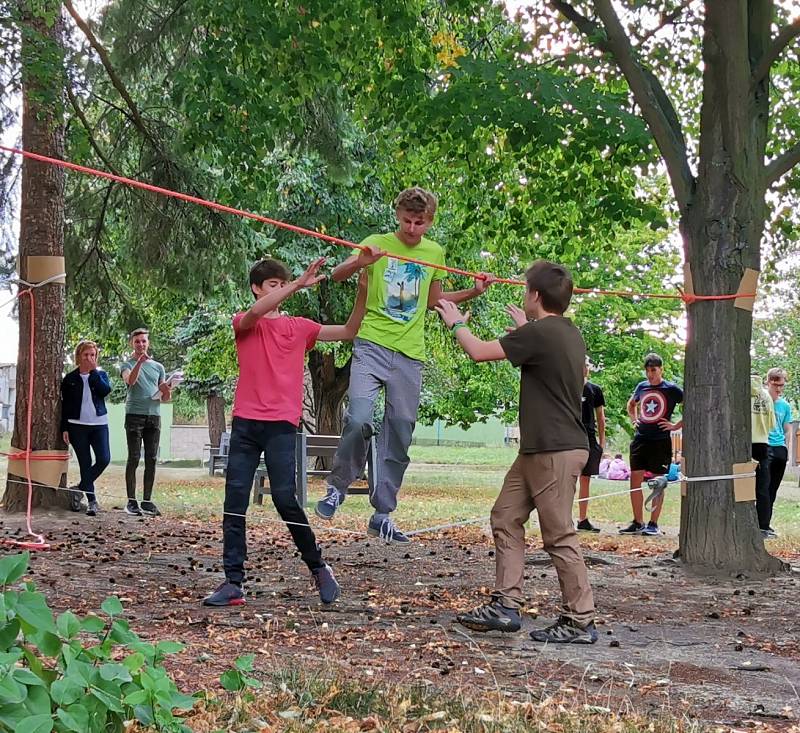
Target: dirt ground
[(722, 651)]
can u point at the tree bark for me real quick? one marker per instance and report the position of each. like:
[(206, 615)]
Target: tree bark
[(329, 384), (215, 411), (722, 231), (41, 233)]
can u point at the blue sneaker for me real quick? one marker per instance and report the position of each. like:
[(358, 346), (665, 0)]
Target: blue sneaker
[(327, 586), (227, 594), (386, 530), (326, 508), (651, 529)]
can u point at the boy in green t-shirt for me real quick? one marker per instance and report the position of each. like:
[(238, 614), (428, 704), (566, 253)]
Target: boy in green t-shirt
[(388, 354)]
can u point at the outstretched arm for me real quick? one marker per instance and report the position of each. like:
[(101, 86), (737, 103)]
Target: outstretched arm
[(348, 331), (477, 349), (436, 294), (272, 300), (367, 256)]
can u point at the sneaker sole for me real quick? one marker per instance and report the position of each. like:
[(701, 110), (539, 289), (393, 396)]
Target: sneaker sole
[(579, 640), (376, 533), (476, 626), (233, 602), (322, 516), (332, 600)]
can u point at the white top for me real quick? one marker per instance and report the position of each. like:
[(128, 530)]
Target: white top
[(89, 414)]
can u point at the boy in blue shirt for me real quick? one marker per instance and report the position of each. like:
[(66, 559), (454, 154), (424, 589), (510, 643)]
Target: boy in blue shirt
[(650, 409), (777, 451)]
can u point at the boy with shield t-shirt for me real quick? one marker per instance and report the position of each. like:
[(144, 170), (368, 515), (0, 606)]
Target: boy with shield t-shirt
[(650, 409)]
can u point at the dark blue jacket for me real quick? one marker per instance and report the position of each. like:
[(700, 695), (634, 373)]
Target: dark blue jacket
[(72, 394)]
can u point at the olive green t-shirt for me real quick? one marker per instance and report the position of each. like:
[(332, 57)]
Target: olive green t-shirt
[(550, 353), (139, 400), (397, 295)]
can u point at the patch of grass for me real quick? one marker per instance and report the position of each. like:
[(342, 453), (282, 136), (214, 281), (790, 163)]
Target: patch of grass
[(462, 455), (305, 700)]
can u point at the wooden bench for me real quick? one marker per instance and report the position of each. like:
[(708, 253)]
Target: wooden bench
[(312, 446), (218, 457)]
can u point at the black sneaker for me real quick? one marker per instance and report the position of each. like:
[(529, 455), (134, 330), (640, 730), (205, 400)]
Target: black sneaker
[(132, 507), (386, 530), (326, 584), (150, 509), (75, 498), (566, 631), (492, 616), (228, 594), (633, 528), (586, 526), (93, 508)]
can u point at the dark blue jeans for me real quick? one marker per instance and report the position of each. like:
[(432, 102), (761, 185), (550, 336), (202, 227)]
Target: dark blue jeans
[(85, 439), (276, 441)]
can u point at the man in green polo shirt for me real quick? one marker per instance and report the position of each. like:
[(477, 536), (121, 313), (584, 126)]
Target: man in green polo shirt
[(147, 389), (388, 355)]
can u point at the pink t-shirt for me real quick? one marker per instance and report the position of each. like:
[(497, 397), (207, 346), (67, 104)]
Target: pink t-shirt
[(271, 361)]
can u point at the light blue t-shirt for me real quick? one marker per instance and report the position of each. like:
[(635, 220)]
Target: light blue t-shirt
[(140, 394), (783, 415)]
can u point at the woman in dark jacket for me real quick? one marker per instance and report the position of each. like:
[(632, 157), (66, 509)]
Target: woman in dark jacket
[(84, 420)]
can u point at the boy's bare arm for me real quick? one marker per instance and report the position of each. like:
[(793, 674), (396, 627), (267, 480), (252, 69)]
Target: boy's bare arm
[(349, 330), (273, 299), (435, 294), (477, 349), (367, 256)]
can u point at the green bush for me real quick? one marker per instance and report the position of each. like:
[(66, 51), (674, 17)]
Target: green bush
[(78, 674)]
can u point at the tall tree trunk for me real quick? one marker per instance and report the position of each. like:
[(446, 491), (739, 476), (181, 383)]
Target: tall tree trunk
[(41, 233), (330, 388), (215, 411), (722, 230)]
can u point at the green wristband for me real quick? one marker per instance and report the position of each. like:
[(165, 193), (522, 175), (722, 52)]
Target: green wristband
[(457, 325)]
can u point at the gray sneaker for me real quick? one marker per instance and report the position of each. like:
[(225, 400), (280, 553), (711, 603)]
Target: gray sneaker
[(566, 631), (326, 508), (326, 584), (492, 616), (386, 530), (93, 508)]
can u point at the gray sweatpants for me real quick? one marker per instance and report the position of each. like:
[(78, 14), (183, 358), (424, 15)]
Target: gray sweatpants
[(375, 367)]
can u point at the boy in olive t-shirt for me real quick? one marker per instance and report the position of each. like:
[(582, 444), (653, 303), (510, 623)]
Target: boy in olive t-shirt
[(553, 450), (388, 355)]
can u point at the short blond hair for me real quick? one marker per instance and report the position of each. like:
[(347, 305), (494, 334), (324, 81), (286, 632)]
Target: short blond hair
[(83, 346), (417, 200), (776, 373)]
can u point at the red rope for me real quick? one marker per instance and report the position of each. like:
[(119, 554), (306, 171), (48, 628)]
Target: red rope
[(688, 299)]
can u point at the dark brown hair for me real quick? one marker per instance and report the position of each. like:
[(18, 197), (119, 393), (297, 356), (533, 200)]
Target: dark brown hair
[(653, 360), (553, 283), (268, 269)]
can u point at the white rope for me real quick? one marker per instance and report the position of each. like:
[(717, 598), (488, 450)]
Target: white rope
[(19, 281), (723, 477)]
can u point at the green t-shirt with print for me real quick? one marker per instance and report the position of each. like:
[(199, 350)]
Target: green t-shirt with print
[(139, 400), (397, 295)]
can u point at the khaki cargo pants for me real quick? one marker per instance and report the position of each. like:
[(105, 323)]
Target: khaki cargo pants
[(545, 482)]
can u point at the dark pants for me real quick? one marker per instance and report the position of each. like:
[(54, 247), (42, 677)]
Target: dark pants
[(142, 429), (84, 439), (778, 456), (763, 503), (276, 441)]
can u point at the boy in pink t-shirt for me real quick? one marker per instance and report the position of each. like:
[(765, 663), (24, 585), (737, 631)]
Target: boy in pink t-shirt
[(271, 349)]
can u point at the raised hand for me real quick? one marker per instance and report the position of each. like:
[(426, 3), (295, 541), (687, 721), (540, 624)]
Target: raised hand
[(483, 281), (516, 314), (369, 255), (311, 276)]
